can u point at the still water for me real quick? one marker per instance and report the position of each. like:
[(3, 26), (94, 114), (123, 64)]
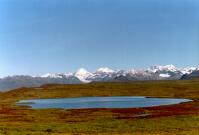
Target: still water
[(100, 102)]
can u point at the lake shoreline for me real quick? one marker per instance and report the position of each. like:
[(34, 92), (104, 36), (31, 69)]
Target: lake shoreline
[(170, 119)]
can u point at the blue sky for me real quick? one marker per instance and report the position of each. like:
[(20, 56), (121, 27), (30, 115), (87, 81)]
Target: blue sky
[(40, 36)]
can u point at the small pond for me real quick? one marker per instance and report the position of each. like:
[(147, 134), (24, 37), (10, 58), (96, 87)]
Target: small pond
[(100, 102)]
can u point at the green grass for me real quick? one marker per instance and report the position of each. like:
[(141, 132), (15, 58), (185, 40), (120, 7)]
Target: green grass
[(183, 119)]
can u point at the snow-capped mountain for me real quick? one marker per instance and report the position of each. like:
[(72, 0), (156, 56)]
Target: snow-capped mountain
[(61, 75), (171, 68), (105, 70), (102, 75), (82, 74), (193, 74), (168, 72), (48, 75), (188, 70)]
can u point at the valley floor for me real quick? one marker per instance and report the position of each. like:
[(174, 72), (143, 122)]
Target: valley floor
[(182, 119)]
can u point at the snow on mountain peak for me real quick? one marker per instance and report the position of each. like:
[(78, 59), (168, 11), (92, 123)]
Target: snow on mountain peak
[(46, 75), (169, 67), (105, 70), (82, 71), (51, 75), (68, 74), (164, 75), (166, 67), (104, 73), (83, 74), (188, 70)]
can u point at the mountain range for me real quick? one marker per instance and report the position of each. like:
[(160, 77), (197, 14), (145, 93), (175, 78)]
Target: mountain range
[(167, 72)]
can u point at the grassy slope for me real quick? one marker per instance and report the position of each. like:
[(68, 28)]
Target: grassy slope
[(176, 119)]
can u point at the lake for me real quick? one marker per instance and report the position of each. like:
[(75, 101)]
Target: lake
[(100, 102)]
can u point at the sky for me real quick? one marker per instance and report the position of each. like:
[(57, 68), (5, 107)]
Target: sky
[(55, 36)]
